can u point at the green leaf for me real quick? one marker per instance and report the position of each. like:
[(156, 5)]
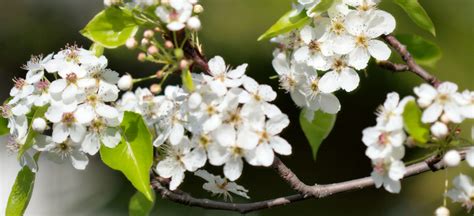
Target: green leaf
[(322, 7), (21, 192), (424, 52), (413, 125), (134, 155), (36, 112), (97, 49), (290, 21), (111, 27), (187, 80), (417, 14), (4, 130), (139, 205), (317, 130)]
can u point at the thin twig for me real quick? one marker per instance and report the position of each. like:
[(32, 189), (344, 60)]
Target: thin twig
[(411, 64), (305, 191)]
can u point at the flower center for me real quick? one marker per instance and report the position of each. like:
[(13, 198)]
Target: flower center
[(211, 110), (338, 65), (71, 78), (443, 98), (97, 125), (379, 167), (361, 41), (383, 139), (264, 137), (237, 151), (92, 99), (42, 86), (204, 141), (314, 46), (68, 118), (6, 111), (63, 150), (338, 27)]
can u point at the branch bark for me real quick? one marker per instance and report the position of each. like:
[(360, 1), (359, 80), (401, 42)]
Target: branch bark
[(305, 191), (411, 64)]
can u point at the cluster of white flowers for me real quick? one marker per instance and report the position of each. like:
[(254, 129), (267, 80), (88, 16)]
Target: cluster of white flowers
[(385, 143), (444, 105), (336, 44), (463, 191), (226, 118), (178, 14), (76, 105)]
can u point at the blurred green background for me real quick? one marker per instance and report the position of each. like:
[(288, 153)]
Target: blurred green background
[(230, 29)]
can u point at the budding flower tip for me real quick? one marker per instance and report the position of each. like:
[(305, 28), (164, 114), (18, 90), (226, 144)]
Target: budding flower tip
[(125, 82)]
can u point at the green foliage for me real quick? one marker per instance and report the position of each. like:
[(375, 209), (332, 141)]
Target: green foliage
[(36, 112), (111, 27), (417, 14), (21, 192), (288, 22), (140, 205), (424, 52), (187, 80), (4, 126), (317, 130), (134, 155), (413, 125), (97, 49), (322, 7)]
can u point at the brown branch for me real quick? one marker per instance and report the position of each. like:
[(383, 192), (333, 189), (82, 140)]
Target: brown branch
[(394, 67), (410, 62), (305, 191)]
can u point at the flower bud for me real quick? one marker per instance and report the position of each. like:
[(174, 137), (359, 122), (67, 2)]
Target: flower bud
[(141, 57), (160, 74), (183, 64), (131, 43), (439, 130), (152, 50), (194, 23), (39, 125), (169, 44), (178, 53), (155, 88), (148, 34), (452, 158), (445, 119), (442, 211), (157, 29), (198, 9), (125, 82), (145, 42)]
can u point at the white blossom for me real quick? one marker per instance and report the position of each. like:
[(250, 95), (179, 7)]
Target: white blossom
[(388, 171), (173, 166), (221, 186), (463, 191), (62, 151), (439, 101)]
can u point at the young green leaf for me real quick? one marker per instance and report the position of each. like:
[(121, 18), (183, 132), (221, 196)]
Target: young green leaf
[(36, 112), (413, 125), (417, 14), (187, 80), (424, 52), (111, 27), (4, 130), (317, 130), (139, 205), (21, 192), (290, 21), (134, 155), (322, 7)]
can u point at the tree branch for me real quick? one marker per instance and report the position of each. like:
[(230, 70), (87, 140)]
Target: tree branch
[(305, 191), (410, 62)]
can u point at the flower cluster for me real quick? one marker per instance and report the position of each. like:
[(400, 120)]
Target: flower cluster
[(336, 44), (75, 105), (225, 118), (178, 14), (444, 105), (385, 143)]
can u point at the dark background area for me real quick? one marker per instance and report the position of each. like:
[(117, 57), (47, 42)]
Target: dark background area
[(230, 29)]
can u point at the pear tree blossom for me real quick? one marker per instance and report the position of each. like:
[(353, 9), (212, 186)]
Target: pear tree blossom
[(220, 186)]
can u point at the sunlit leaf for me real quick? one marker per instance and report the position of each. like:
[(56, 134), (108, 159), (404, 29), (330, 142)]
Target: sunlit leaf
[(413, 125), (317, 130), (424, 52), (111, 27), (21, 192), (134, 155), (417, 13), (4, 130), (139, 205), (187, 80), (36, 112), (290, 21), (322, 7)]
